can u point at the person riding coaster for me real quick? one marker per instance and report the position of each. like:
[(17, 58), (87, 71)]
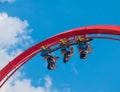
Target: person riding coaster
[(83, 50), (51, 60), (66, 50), (84, 46)]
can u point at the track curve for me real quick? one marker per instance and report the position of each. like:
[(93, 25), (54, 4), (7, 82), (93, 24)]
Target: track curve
[(16, 63)]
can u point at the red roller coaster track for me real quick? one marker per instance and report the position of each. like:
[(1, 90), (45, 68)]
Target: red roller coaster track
[(20, 60)]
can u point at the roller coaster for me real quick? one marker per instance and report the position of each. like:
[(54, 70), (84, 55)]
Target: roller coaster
[(73, 37)]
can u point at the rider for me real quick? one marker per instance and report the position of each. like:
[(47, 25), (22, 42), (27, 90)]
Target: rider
[(51, 60), (66, 50), (83, 46)]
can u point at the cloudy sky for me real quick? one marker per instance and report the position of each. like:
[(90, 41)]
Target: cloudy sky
[(23, 23)]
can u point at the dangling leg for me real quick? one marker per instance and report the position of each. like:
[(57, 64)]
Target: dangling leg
[(66, 58), (54, 59), (51, 63), (71, 51), (83, 55)]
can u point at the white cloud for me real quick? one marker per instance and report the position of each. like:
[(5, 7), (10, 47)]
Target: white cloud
[(9, 1), (24, 85), (14, 31)]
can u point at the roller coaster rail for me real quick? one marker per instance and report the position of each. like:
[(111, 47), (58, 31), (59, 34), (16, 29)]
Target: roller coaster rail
[(98, 31)]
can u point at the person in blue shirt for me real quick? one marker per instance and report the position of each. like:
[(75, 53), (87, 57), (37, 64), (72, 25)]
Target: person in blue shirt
[(83, 50), (84, 46), (51, 60), (66, 50)]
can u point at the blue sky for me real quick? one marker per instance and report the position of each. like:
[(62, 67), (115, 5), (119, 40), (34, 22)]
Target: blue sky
[(49, 17)]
